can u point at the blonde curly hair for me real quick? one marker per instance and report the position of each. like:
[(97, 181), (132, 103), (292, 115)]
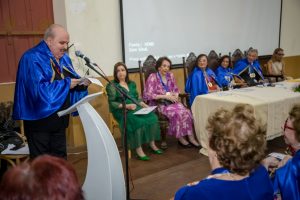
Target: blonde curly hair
[(238, 138)]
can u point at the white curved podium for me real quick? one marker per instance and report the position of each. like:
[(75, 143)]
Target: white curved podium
[(104, 178)]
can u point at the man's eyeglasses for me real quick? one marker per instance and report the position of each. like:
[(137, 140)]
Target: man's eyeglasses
[(286, 126), (280, 54)]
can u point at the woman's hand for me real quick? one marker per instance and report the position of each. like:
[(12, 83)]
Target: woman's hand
[(144, 105), (131, 106), (172, 98), (270, 163)]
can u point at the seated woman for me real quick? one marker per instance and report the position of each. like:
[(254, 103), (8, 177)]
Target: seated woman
[(202, 80), (249, 68), (287, 176), (276, 64), (226, 78), (162, 86), (236, 147), (141, 129), (46, 177)]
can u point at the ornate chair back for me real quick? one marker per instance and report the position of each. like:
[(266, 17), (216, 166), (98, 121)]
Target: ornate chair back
[(146, 69), (213, 60), (188, 64), (237, 55)]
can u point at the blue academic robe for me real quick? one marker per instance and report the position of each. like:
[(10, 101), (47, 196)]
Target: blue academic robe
[(196, 85), (287, 179), (37, 94), (256, 186), (243, 65), (221, 72)]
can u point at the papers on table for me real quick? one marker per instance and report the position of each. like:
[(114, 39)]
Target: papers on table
[(86, 80), (145, 111)]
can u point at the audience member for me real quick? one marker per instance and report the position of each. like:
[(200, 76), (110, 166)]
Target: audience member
[(249, 68), (202, 80), (162, 86), (140, 128), (45, 178), (237, 144), (287, 176)]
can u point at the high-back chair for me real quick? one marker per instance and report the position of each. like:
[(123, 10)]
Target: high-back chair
[(146, 69), (213, 60), (237, 55), (188, 65)]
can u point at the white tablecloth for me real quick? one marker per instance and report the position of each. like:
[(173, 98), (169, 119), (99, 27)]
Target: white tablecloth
[(271, 105)]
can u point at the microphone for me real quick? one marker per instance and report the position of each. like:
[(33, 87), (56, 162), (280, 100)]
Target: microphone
[(81, 55)]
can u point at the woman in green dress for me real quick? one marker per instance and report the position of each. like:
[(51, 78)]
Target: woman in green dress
[(141, 129)]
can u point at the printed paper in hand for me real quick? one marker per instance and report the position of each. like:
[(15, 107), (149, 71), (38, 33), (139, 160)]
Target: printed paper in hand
[(145, 111), (85, 80)]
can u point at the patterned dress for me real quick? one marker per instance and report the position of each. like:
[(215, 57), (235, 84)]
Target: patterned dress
[(180, 118), (141, 129)]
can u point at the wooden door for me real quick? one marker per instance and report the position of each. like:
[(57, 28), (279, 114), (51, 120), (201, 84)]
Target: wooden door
[(22, 25)]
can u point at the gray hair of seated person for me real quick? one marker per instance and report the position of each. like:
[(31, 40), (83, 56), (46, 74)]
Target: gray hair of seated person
[(252, 51)]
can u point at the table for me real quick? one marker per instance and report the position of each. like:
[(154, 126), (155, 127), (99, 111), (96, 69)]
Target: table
[(271, 105)]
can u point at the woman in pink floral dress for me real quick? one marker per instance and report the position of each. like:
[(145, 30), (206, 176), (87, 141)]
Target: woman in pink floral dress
[(161, 85)]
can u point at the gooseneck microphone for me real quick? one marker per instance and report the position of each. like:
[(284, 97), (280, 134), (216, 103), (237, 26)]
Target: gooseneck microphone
[(81, 55)]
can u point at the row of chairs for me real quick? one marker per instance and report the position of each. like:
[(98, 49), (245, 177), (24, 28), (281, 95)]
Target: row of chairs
[(148, 66)]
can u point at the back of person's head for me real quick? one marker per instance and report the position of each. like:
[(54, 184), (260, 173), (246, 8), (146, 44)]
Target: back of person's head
[(295, 117), (46, 177), (238, 138)]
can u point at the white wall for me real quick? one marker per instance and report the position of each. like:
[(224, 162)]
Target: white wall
[(290, 27), (95, 27)]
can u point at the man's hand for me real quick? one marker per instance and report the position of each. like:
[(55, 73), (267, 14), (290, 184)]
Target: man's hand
[(74, 82)]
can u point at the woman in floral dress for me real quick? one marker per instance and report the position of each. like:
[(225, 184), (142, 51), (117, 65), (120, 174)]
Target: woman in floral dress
[(162, 86)]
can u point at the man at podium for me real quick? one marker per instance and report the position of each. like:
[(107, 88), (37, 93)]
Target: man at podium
[(47, 83)]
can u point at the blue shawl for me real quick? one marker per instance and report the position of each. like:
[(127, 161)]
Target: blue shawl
[(37, 95), (287, 179), (196, 85), (243, 65)]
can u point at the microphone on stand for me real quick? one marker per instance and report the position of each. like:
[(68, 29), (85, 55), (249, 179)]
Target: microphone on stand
[(124, 96), (81, 55)]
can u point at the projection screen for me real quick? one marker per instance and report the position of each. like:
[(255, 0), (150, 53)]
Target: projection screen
[(174, 28)]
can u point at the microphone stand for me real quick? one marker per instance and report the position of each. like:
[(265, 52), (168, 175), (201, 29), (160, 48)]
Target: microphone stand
[(124, 96)]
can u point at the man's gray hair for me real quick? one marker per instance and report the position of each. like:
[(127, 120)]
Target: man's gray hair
[(251, 50), (50, 31)]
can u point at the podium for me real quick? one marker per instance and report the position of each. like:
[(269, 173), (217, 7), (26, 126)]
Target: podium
[(104, 178)]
